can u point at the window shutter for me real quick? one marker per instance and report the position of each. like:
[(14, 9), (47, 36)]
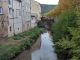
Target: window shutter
[(2, 11)]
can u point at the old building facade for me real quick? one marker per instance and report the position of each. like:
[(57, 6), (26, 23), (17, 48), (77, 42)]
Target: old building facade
[(26, 15), (15, 17), (3, 19), (35, 13), (34, 20), (36, 9)]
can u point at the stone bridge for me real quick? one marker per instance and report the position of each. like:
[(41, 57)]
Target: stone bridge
[(48, 22)]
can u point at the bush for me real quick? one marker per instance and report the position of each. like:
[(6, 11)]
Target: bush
[(41, 24), (60, 28), (33, 36), (16, 37), (61, 35), (10, 50)]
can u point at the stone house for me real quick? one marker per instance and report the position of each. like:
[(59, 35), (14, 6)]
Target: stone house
[(36, 9), (15, 17)]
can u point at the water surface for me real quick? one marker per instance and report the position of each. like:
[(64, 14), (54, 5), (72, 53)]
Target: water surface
[(41, 50)]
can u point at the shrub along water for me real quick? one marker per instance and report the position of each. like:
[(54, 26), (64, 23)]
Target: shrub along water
[(66, 35), (41, 24), (10, 50)]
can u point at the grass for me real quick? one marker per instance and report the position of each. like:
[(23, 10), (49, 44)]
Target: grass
[(9, 47)]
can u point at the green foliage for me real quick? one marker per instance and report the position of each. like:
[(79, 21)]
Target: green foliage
[(33, 31), (60, 28), (40, 24), (25, 43), (16, 37), (33, 36), (66, 36), (46, 8), (8, 51)]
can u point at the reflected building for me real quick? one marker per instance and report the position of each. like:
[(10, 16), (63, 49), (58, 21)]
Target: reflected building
[(37, 45), (26, 55)]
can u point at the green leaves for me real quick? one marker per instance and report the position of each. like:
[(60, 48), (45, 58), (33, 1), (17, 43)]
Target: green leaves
[(60, 28), (46, 8), (41, 24), (10, 50), (66, 36)]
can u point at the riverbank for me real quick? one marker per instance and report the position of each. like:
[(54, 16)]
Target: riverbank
[(42, 49), (9, 47)]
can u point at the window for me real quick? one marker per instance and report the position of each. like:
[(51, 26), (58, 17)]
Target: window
[(29, 17), (22, 3), (18, 28), (23, 12), (28, 1), (10, 29), (1, 10), (9, 1), (10, 11), (28, 9), (18, 13)]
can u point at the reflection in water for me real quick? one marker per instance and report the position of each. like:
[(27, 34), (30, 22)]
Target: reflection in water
[(37, 45), (41, 50), (26, 55), (46, 50)]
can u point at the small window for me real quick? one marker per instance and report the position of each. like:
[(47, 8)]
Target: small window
[(23, 3), (10, 29), (18, 12), (9, 1), (10, 11), (23, 12), (1, 10), (18, 28)]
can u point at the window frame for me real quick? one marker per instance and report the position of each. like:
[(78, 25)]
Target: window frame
[(1, 10)]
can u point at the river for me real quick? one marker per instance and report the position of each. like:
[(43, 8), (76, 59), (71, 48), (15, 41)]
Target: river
[(41, 50)]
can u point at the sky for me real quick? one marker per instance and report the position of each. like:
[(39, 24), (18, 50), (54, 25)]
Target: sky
[(51, 2)]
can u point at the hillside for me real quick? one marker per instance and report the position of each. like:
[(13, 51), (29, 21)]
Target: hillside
[(46, 8), (62, 6)]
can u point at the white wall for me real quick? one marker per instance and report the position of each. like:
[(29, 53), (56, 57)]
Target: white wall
[(17, 16), (22, 22), (27, 14), (10, 20), (33, 22), (36, 8)]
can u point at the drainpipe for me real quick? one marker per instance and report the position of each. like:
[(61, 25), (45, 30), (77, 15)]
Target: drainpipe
[(13, 17), (30, 14), (21, 16)]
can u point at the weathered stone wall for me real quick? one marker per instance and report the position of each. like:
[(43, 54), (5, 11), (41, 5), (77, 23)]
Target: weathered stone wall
[(36, 8), (4, 20)]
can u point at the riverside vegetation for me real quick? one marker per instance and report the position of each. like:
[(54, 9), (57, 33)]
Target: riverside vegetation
[(66, 36), (66, 30), (9, 47)]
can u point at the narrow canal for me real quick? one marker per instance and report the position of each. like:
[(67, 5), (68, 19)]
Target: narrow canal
[(41, 50)]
